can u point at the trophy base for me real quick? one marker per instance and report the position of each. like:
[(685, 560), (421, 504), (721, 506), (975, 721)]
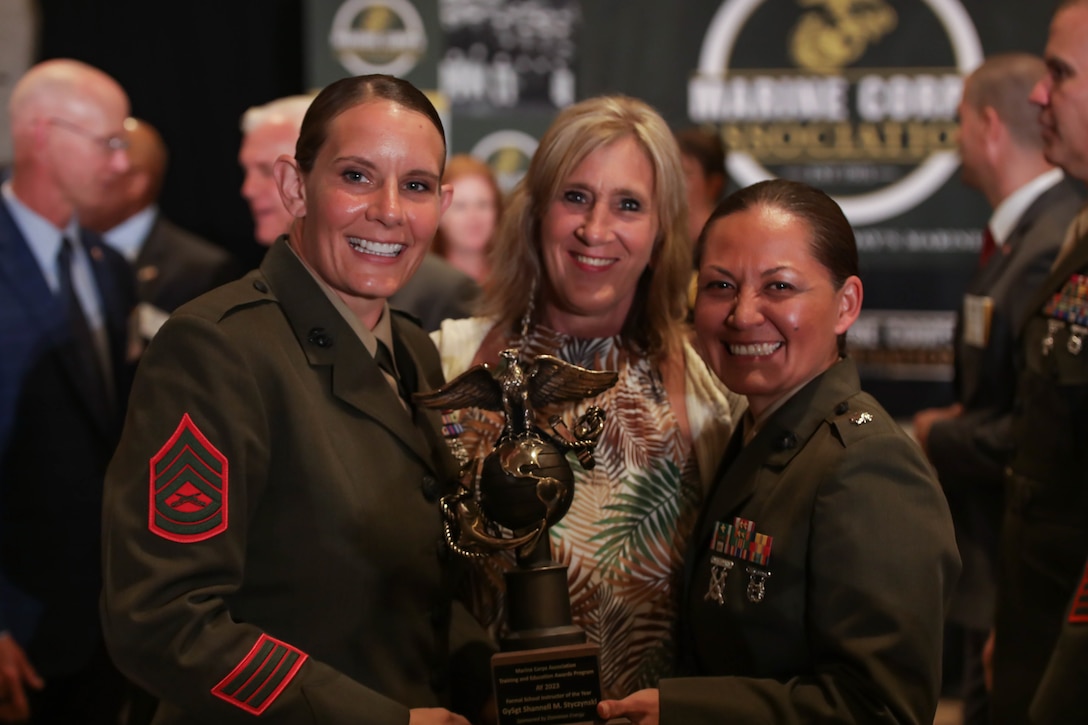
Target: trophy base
[(549, 686)]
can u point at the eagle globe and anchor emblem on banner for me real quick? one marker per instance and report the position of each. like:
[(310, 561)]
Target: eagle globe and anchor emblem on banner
[(508, 500), (378, 36), (839, 94)]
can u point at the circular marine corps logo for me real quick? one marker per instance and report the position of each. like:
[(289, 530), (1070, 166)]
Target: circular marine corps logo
[(508, 153), (857, 97), (378, 36)]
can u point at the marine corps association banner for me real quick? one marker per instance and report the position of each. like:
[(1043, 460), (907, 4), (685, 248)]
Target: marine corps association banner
[(857, 97), (498, 70)]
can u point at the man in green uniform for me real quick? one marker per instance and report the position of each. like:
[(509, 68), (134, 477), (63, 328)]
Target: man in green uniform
[(1045, 529)]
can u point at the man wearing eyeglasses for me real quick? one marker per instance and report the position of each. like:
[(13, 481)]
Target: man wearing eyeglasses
[(64, 302)]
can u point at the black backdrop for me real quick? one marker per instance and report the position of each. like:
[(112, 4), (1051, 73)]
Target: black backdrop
[(190, 68)]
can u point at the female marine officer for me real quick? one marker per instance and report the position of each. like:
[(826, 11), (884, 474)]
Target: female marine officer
[(819, 574)]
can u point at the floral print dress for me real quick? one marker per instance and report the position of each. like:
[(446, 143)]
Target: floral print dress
[(624, 536)]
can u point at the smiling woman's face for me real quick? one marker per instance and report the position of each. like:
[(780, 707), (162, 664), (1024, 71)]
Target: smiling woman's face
[(597, 237), (371, 203), (768, 314)]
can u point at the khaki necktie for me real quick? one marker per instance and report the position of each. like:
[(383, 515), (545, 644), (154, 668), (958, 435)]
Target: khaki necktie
[(384, 358)]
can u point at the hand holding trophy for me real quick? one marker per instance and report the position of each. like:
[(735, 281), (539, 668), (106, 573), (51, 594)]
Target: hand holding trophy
[(546, 673)]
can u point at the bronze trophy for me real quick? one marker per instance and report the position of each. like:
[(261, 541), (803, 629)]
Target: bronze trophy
[(546, 671)]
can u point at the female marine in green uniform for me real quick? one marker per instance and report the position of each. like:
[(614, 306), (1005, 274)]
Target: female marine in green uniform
[(273, 543), (819, 575)]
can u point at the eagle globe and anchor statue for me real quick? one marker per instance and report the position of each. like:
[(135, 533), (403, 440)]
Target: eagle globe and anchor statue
[(546, 671)]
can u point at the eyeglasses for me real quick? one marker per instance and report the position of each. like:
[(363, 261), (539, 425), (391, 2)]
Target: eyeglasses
[(109, 144)]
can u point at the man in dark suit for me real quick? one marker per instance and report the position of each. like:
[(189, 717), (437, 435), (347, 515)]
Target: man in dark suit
[(1044, 537), (172, 265), (1001, 146), (437, 291), (64, 304)]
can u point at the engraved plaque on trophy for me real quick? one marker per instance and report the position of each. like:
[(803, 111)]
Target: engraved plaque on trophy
[(546, 671)]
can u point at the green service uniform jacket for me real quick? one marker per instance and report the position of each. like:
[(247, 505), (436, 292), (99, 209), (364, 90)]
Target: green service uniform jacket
[(837, 514), (1044, 538), (272, 539), (1062, 696)]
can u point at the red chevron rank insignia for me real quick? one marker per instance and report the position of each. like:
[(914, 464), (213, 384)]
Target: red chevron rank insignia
[(261, 676), (188, 487), (1078, 613)]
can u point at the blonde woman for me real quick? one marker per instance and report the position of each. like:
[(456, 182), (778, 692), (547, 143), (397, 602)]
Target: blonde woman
[(590, 265)]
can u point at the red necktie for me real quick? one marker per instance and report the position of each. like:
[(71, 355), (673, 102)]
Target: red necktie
[(989, 246)]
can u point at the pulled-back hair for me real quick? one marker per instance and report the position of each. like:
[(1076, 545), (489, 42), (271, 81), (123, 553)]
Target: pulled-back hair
[(832, 240), (346, 93)]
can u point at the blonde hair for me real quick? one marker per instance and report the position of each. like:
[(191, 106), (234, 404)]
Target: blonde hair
[(655, 320)]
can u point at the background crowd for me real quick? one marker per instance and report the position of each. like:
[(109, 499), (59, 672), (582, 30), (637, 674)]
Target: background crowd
[(219, 497)]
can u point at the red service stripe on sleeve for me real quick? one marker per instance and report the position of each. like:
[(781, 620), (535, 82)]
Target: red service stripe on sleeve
[(260, 678), (1078, 613)]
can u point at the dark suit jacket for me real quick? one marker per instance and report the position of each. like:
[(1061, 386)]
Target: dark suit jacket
[(175, 266), (436, 292), (862, 565), (307, 523), (1044, 537), (54, 448), (970, 452)]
